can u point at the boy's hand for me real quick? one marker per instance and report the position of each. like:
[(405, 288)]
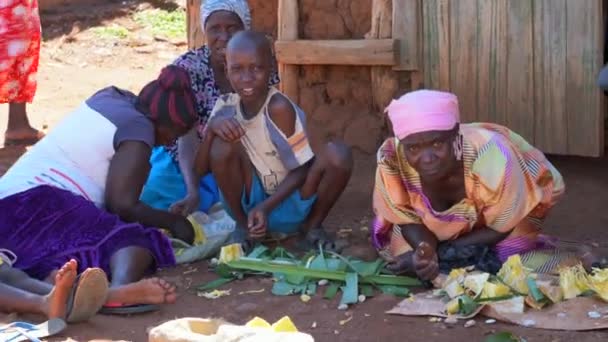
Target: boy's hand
[(256, 222), (426, 263), (186, 205)]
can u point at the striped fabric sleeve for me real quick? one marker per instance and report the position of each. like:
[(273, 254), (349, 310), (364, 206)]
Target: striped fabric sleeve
[(294, 151), (507, 191)]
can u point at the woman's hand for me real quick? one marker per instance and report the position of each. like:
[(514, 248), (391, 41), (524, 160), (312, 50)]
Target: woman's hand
[(426, 262), (182, 229), (226, 127), (403, 264), (186, 206)]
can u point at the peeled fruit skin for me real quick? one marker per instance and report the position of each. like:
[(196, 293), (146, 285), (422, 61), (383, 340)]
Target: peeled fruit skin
[(514, 274), (476, 282), (453, 289), (258, 322), (230, 253), (284, 325), (491, 290), (573, 281), (452, 307)]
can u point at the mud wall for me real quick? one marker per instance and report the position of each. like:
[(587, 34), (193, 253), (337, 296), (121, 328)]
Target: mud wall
[(336, 99)]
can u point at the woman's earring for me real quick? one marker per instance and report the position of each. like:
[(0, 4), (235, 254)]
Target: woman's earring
[(458, 147)]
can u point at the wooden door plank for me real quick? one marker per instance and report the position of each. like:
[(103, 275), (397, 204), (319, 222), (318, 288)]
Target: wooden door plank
[(405, 30), (491, 57), (288, 20), (436, 44), (519, 81), (463, 56), (550, 126), (337, 52), (585, 117)]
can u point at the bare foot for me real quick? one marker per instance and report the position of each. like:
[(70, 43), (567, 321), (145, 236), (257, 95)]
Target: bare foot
[(146, 291), (56, 301)]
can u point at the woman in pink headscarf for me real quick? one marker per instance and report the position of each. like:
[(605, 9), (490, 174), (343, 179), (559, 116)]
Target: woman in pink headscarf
[(440, 181)]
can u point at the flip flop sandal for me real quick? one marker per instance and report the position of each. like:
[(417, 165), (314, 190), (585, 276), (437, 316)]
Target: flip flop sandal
[(121, 309), (89, 293), (22, 331)]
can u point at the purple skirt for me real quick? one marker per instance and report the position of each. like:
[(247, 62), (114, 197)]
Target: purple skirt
[(46, 227)]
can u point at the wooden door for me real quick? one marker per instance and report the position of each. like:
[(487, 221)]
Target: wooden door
[(531, 65)]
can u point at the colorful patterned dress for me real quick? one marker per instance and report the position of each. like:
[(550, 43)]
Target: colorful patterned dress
[(510, 187), (19, 50)]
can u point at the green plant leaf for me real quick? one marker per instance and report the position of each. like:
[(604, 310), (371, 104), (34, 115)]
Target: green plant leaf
[(534, 291), (224, 271), (466, 305), (350, 290), (399, 291), (283, 288), (331, 291), (367, 268), (272, 266), (214, 284), (311, 288), (258, 252), (503, 336), (367, 290)]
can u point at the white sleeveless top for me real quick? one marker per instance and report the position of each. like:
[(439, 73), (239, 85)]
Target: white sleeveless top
[(272, 153)]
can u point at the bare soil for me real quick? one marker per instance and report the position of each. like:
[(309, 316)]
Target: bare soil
[(75, 63)]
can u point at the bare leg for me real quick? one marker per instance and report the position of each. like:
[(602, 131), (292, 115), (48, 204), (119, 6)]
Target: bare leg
[(52, 305), (327, 178), (232, 171), (128, 267), (18, 127), (19, 279)]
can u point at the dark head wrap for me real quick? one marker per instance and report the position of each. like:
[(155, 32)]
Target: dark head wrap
[(169, 99)]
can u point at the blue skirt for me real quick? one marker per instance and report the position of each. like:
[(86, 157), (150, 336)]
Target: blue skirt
[(166, 186)]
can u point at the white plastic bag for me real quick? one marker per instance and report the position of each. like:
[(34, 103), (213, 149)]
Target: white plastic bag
[(211, 233)]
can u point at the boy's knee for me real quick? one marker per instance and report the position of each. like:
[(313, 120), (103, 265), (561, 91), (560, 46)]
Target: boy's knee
[(339, 156), (221, 151)]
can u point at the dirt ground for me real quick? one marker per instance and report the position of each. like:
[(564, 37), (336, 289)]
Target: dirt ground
[(75, 65)]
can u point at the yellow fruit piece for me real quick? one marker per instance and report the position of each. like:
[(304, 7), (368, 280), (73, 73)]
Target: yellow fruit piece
[(599, 275), (258, 322), (452, 307), (476, 282), (457, 274), (491, 290), (514, 274), (598, 282), (284, 325), (574, 281), (230, 253), (305, 298), (199, 232)]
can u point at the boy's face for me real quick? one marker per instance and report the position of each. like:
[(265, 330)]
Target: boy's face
[(248, 69)]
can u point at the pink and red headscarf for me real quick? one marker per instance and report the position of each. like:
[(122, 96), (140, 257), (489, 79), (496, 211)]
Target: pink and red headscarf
[(423, 111)]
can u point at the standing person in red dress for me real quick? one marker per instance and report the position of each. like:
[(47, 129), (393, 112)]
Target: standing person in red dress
[(19, 52)]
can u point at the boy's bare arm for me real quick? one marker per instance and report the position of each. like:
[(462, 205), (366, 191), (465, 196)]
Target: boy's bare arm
[(283, 114)]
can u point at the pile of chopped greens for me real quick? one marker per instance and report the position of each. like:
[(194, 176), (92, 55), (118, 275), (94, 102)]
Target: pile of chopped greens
[(305, 276)]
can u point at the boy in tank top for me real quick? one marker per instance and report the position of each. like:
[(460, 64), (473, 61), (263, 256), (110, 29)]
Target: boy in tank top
[(257, 148)]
